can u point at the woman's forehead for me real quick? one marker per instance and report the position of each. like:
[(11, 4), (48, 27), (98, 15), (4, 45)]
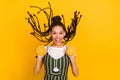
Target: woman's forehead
[(57, 28)]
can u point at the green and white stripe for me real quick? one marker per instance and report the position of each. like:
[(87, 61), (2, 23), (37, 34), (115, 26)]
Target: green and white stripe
[(62, 65)]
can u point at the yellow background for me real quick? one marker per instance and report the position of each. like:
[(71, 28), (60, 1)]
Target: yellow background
[(97, 39)]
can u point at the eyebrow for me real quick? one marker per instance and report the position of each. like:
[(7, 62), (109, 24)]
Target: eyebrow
[(59, 31)]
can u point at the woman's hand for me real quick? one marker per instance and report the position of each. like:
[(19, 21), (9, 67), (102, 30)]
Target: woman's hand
[(72, 57), (74, 65), (71, 52), (38, 64), (40, 54)]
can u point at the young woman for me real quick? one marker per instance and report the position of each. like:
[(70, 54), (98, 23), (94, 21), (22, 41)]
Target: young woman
[(56, 60)]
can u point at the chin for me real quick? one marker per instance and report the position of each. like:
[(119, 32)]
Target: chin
[(58, 44)]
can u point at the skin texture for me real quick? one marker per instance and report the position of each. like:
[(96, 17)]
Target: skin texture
[(57, 35)]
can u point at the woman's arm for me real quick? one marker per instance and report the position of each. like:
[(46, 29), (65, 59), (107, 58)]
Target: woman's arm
[(74, 65), (38, 64)]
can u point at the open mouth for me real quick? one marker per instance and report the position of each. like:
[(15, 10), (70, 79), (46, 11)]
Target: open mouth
[(57, 40)]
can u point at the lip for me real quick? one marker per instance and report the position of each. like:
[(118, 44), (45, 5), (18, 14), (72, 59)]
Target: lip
[(57, 40)]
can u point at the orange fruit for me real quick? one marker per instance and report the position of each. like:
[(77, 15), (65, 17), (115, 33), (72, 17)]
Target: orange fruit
[(41, 50), (71, 50)]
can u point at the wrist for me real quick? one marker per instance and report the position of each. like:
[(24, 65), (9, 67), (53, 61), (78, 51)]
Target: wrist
[(39, 57), (73, 59)]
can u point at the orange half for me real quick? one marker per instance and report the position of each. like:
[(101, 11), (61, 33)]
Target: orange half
[(41, 50), (71, 50)]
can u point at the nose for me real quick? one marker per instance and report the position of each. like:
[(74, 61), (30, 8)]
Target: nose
[(58, 36)]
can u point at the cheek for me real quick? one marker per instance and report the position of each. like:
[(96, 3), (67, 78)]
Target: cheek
[(62, 36), (57, 36), (53, 36)]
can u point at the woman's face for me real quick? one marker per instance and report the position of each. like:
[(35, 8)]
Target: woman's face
[(57, 35)]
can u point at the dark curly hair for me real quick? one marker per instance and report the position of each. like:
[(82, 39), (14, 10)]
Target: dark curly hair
[(53, 21), (56, 21)]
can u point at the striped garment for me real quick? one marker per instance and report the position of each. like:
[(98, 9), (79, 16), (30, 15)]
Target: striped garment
[(56, 69)]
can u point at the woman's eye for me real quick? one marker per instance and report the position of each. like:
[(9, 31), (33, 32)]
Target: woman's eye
[(54, 33), (61, 33)]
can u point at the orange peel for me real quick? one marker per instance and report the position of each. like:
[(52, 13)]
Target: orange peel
[(71, 50), (41, 50)]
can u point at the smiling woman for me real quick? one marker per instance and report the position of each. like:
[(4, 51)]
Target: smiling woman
[(43, 36), (57, 35), (97, 39), (56, 61), (54, 57)]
